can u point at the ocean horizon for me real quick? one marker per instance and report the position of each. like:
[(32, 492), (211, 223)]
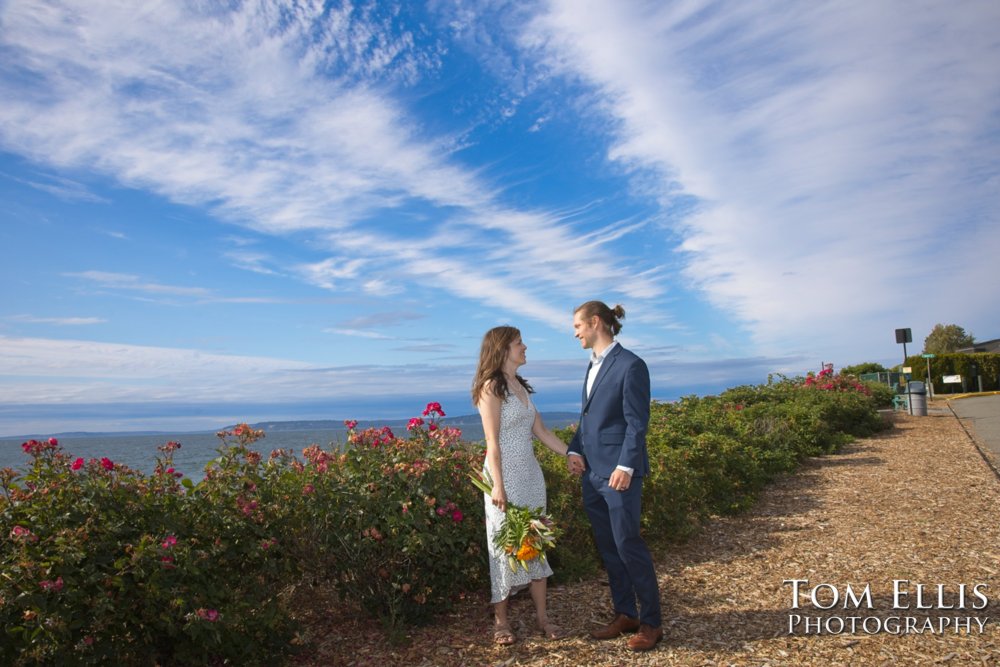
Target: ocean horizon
[(138, 449)]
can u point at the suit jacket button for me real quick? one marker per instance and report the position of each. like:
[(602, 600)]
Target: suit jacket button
[(585, 414)]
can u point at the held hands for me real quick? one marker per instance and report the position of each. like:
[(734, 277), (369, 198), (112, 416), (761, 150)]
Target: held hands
[(575, 464)]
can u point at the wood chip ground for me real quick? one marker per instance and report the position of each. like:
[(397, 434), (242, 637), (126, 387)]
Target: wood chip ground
[(916, 503)]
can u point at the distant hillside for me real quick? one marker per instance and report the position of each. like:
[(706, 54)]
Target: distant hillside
[(471, 423), (552, 420), (98, 434)]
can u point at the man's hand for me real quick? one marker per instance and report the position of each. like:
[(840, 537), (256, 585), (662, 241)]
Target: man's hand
[(620, 480), (575, 464)]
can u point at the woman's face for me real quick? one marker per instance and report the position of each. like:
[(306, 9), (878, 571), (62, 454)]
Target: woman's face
[(516, 352)]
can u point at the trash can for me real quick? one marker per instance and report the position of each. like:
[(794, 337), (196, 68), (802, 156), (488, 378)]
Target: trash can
[(918, 398)]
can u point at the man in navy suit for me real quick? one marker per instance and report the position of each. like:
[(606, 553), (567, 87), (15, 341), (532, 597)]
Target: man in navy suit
[(609, 452)]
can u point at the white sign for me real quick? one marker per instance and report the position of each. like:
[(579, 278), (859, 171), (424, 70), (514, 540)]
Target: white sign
[(907, 369), (952, 379)]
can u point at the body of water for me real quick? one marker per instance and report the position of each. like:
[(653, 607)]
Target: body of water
[(140, 451), (197, 449)]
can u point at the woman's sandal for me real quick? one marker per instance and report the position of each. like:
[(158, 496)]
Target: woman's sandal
[(552, 631), (503, 636)]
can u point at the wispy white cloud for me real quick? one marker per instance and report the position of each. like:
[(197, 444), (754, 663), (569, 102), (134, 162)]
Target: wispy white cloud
[(68, 372), (381, 319), (257, 262), (359, 333), (805, 177), (828, 147), (109, 372), (329, 272), (63, 188), (380, 287), (283, 118), (428, 348), (58, 321), (128, 282)]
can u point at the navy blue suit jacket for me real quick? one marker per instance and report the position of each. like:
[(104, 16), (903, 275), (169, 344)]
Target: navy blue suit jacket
[(614, 419)]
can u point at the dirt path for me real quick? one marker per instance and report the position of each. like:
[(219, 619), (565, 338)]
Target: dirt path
[(917, 504)]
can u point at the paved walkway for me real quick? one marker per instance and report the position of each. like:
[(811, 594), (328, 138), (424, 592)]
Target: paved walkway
[(981, 416)]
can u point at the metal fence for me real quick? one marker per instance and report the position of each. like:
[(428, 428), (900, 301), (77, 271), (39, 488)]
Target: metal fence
[(894, 379)]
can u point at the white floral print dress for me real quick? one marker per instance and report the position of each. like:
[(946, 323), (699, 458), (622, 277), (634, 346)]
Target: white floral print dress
[(525, 485)]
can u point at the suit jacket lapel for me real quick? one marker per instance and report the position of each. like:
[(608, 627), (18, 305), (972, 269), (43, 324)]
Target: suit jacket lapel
[(603, 371)]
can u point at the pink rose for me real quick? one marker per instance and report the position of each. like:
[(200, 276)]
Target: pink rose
[(77, 464), (210, 615), (55, 586), (22, 533), (434, 408), (107, 464)]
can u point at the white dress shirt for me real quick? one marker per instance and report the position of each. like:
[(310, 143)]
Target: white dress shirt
[(595, 367)]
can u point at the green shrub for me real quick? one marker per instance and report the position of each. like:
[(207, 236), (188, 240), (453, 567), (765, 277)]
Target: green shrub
[(104, 564), (575, 555), (673, 496), (957, 363), (410, 536), (863, 368), (881, 394)]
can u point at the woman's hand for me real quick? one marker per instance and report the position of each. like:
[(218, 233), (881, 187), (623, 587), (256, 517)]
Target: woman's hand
[(499, 497)]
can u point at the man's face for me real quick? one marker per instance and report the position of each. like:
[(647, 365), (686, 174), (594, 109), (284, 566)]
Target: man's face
[(585, 329)]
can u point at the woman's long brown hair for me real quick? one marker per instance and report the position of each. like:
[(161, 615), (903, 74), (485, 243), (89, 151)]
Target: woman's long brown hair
[(492, 355)]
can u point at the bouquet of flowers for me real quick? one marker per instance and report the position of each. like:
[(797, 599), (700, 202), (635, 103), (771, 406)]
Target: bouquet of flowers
[(525, 534)]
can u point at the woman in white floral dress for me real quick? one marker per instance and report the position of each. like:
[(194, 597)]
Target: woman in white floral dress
[(509, 422)]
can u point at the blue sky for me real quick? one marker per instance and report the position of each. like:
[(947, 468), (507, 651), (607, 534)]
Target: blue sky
[(282, 210)]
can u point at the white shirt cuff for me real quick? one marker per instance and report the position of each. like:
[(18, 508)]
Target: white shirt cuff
[(625, 469)]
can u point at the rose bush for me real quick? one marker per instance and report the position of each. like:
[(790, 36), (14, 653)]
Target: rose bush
[(113, 566), (103, 564), (409, 537)]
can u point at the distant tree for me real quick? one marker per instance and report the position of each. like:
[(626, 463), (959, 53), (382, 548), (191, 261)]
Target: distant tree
[(945, 338), (867, 367)]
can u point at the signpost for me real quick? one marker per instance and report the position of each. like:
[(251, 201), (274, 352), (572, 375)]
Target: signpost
[(930, 385), (904, 336)]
